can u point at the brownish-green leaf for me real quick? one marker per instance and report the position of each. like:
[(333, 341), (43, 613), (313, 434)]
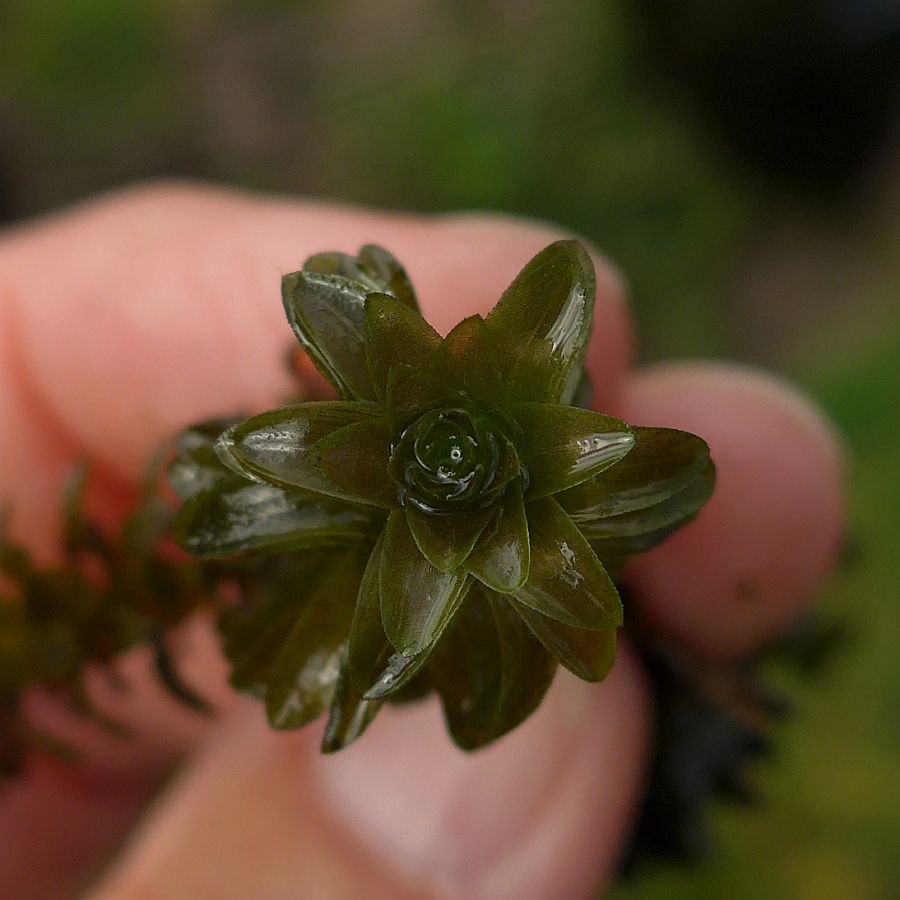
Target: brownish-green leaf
[(567, 581), (238, 516), (395, 334), (588, 654), (196, 466), (562, 446), (417, 600), (466, 360), (349, 716), (355, 459), (643, 529), (374, 267), (502, 557), (375, 668), (254, 635), (275, 447), (447, 540), (326, 314), (662, 463), (411, 393), (490, 671), (540, 327), (304, 673)]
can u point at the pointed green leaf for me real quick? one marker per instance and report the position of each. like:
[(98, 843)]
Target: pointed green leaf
[(395, 334), (567, 581), (446, 541), (643, 529), (304, 674), (326, 314), (349, 716), (275, 447), (662, 463), (238, 516), (387, 272), (375, 669), (368, 649), (466, 360), (254, 635), (490, 671), (540, 327), (417, 600), (374, 267), (397, 675), (355, 459), (562, 446), (502, 557), (588, 654)]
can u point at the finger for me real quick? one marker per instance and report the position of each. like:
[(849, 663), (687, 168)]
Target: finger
[(752, 560), (539, 816), (135, 315)]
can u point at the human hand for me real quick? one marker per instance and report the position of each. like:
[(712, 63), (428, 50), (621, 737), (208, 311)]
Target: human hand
[(130, 317)]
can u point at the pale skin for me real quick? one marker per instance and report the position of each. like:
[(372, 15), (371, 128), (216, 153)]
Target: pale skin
[(131, 316)]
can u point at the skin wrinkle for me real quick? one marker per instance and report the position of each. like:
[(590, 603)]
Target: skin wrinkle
[(460, 813), (585, 774)]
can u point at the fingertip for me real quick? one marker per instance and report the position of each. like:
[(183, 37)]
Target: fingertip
[(755, 555)]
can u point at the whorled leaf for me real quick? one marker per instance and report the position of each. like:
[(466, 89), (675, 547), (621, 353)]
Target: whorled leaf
[(662, 463), (196, 466), (417, 600), (541, 325), (355, 461), (374, 667), (489, 670), (395, 335), (466, 360), (411, 393), (253, 634), (275, 446), (326, 314), (588, 654), (305, 671), (501, 559), (373, 267), (447, 541), (238, 516), (562, 446), (567, 581), (583, 395), (349, 715), (641, 530)]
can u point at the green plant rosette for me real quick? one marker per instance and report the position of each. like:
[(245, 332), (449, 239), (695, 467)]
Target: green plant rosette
[(450, 523)]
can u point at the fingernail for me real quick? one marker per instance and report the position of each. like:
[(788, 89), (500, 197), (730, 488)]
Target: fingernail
[(474, 826)]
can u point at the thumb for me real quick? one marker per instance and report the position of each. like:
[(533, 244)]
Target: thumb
[(541, 815)]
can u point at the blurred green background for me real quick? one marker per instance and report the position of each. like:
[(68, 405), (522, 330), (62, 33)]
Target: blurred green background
[(741, 164)]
